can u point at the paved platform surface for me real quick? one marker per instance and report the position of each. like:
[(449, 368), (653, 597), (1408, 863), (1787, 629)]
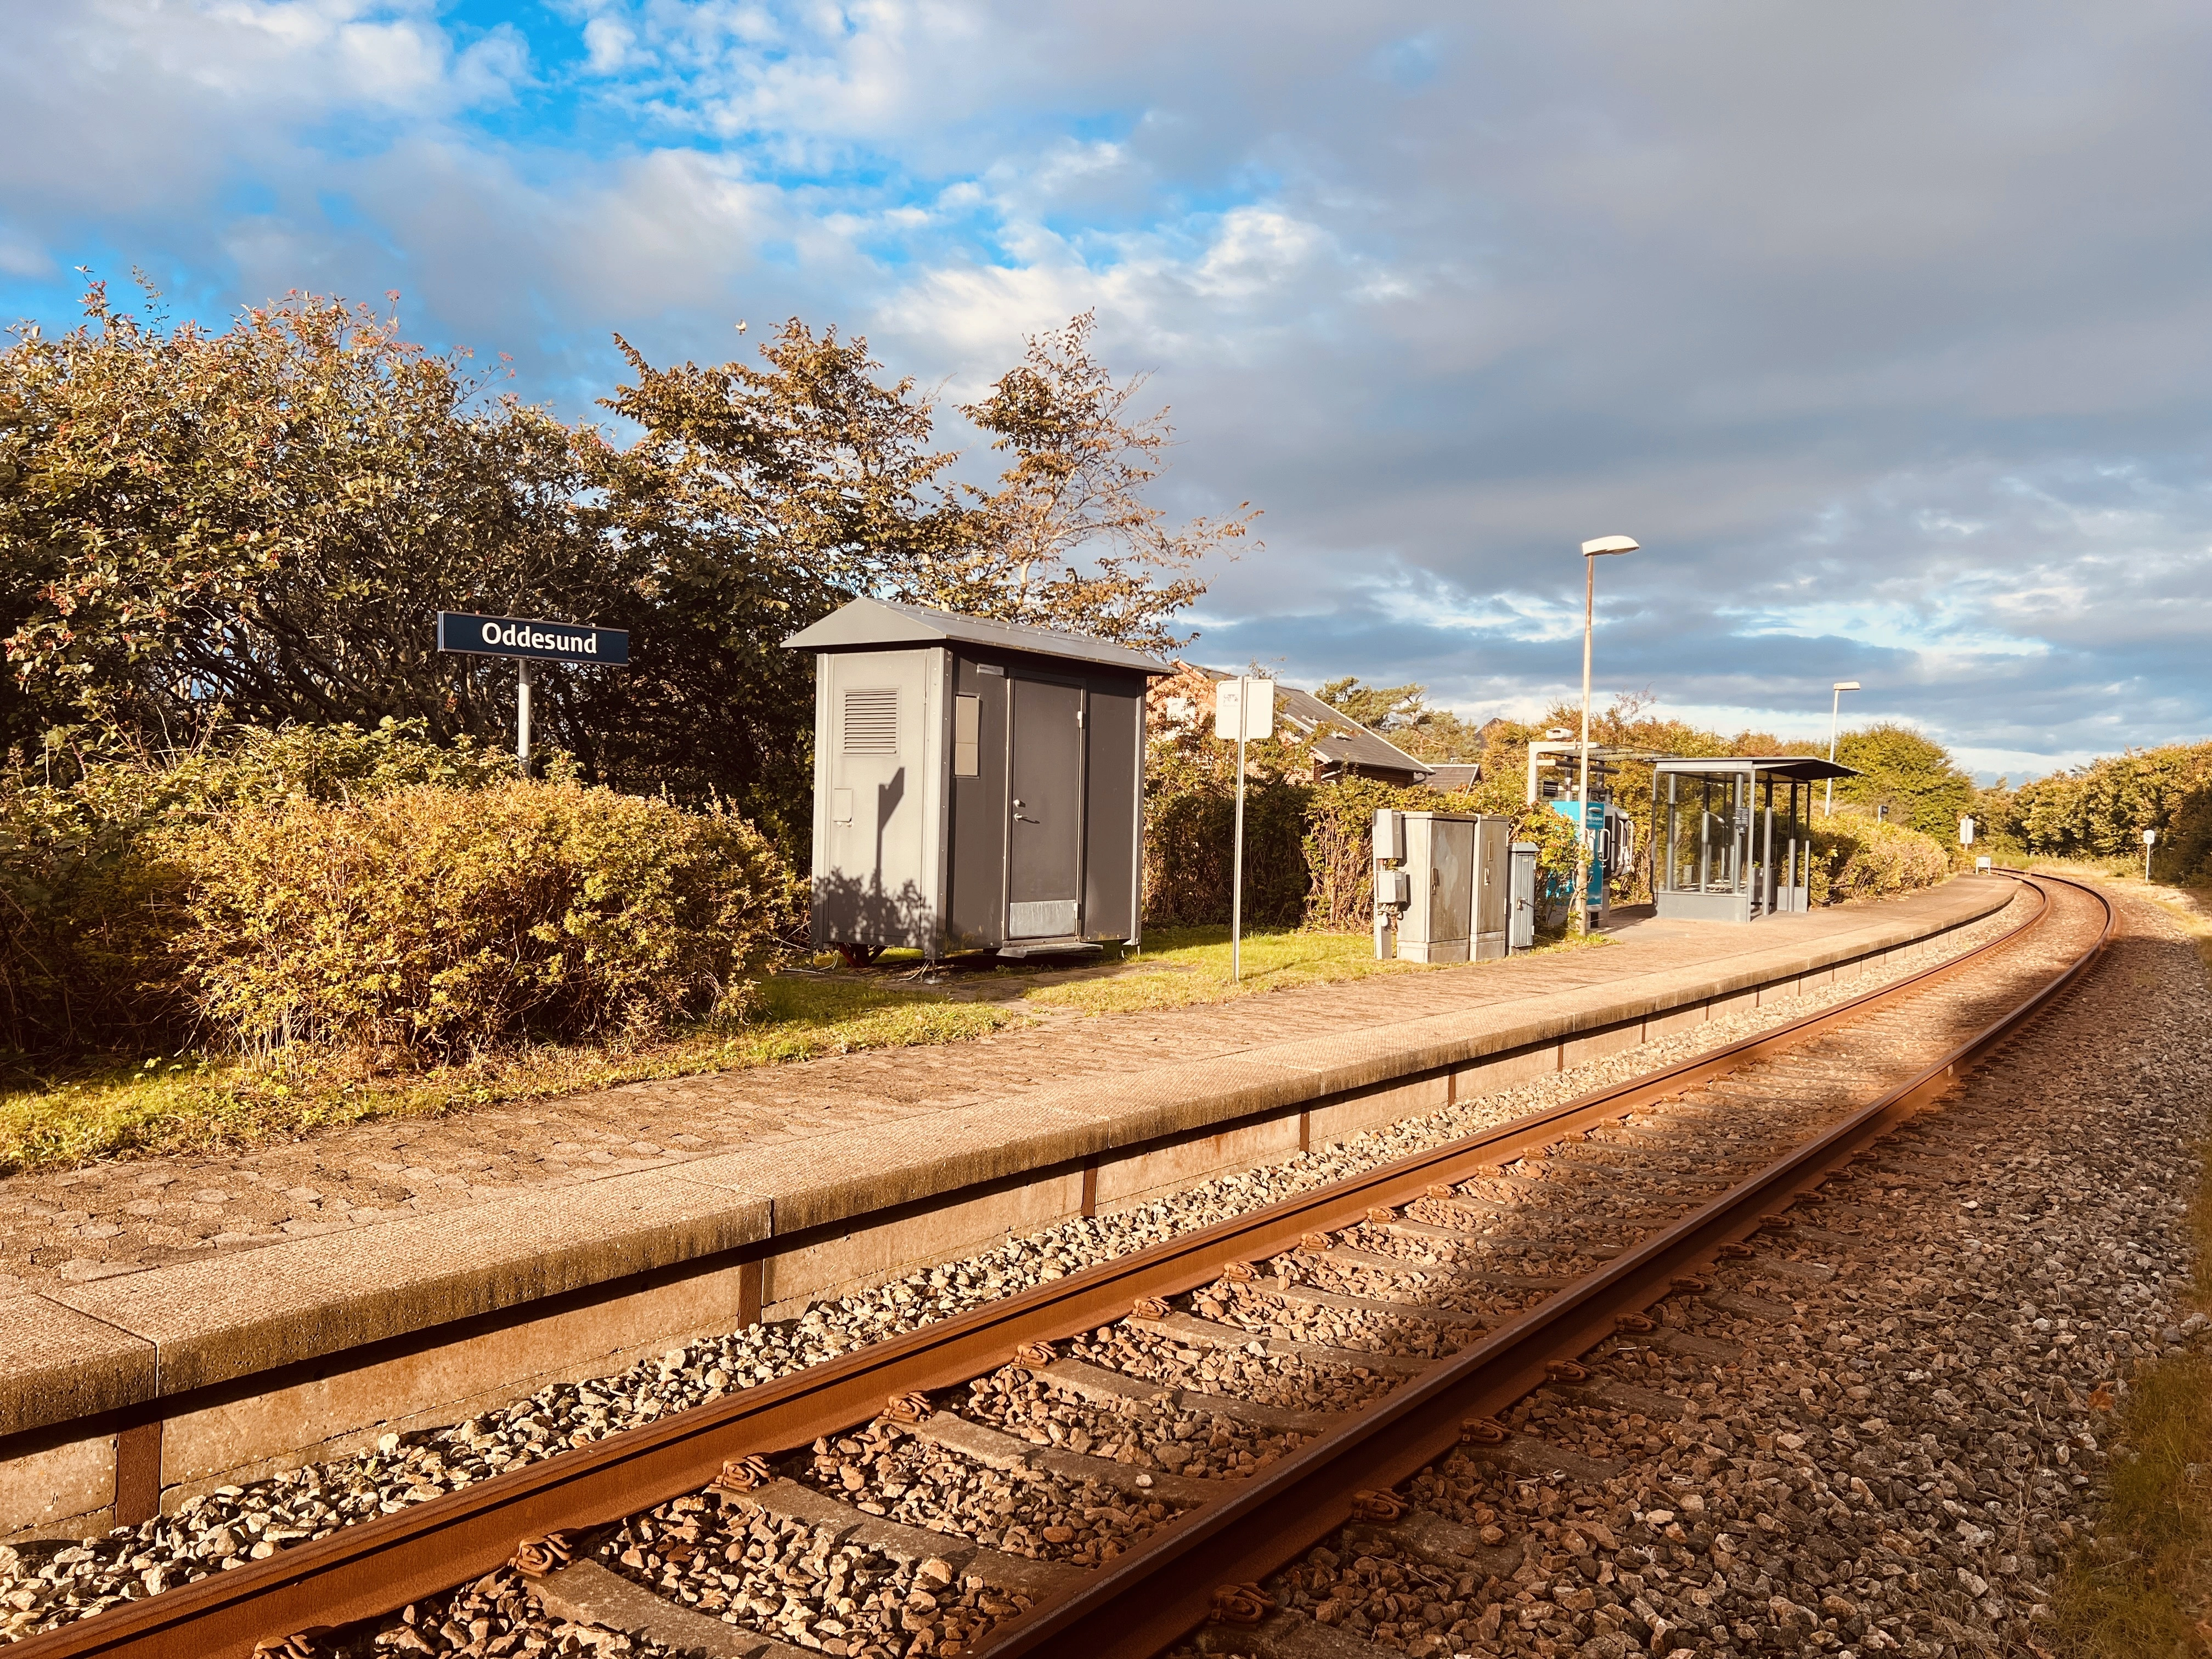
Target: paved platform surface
[(118, 1218)]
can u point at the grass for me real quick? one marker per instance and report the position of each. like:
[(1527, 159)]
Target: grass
[(2145, 1587), (115, 1106), (194, 1104)]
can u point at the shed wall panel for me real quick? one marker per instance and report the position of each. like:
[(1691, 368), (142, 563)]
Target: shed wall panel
[(1116, 723), (873, 874), (975, 906)]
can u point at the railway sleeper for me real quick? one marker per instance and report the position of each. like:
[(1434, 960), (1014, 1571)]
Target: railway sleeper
[(997, 1449), (586, 1593), (1095, 1383), (1350, 1257), (1286, 1636), (786, 1500), (1206, 1332), (1441, 1543), (1312, 1295)]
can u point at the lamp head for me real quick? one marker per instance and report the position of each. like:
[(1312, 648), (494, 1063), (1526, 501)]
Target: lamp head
[(1610, 544), (1847, 685)]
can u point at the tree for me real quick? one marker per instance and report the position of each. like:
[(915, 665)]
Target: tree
[(1912, 775), (1402, 713), (1067, 539), (255, 523)]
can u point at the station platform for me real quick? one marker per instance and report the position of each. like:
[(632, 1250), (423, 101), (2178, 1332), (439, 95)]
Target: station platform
[(408, 1272)]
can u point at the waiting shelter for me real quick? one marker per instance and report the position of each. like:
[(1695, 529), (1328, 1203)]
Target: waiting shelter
[(1732, 838)]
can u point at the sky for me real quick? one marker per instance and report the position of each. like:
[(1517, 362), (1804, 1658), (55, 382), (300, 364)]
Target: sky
[(1883, 328)]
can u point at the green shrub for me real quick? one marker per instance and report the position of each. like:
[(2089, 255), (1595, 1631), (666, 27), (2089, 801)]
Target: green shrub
[(430, 919), (91, 897), (1861, 858)]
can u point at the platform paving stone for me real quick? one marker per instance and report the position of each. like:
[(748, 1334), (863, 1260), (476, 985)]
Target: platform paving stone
[(826, 1136)]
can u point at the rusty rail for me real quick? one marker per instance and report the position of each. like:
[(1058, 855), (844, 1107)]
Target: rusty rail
[(1165, 1585), (372, 1567)]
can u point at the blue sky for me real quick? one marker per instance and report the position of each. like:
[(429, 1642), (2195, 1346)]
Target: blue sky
[(1882, 327)]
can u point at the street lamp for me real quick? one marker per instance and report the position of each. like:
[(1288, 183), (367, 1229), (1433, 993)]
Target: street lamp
[(1835, 714), (1591, 553)]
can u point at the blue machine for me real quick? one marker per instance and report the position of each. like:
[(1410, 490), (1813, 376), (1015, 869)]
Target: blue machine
[(1610, 836)]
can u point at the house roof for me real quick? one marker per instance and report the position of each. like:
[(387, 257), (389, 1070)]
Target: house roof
[(869, 622), (1347, 743)]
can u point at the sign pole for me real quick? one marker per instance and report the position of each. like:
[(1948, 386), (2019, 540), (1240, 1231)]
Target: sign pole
[(522, 716), (1234, 716), (1236, 879)]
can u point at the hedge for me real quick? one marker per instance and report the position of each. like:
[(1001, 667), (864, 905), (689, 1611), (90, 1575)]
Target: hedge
[(344, 887)]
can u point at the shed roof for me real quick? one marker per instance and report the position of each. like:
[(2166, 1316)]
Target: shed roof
[(865, 623), (1806, 769)]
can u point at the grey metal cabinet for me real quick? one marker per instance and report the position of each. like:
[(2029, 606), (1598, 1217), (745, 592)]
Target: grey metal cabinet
[(1439, 920)]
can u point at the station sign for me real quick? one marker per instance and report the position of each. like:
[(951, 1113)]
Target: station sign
[(532, 637)]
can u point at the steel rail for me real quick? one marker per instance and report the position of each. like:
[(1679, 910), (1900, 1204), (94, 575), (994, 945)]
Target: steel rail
[(372, 1567), (1164, 1586)]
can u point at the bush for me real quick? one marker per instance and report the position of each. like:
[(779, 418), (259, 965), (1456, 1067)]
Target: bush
[(91, 899), (431, 920), (332, 885), (1861, 858)]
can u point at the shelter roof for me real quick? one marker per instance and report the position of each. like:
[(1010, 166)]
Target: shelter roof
[(865, 623), (1805, 769)]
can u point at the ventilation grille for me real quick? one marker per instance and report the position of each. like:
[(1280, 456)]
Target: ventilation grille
[(872, 721)]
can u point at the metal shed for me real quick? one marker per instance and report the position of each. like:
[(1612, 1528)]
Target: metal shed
[(977, 784), (1731, 838)]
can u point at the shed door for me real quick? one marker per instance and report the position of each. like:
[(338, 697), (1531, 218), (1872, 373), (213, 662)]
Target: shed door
[(1044, 877)]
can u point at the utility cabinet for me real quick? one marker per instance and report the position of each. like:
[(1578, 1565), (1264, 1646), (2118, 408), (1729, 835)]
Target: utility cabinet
[(1493, 887), (977, 784), (1450, 899), (1439, 916), (1520, 920)]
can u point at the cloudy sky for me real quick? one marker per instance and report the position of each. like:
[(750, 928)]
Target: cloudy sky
[(1883, 327)]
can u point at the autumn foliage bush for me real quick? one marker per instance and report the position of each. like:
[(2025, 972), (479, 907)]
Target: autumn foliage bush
[(367, 891), (441, 922), (1856, 857)]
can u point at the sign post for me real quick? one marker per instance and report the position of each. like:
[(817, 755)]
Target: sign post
[(532, 640), (2150, 840), (1244, 707)]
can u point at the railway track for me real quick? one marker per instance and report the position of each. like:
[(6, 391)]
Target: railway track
[(1117, 1462)]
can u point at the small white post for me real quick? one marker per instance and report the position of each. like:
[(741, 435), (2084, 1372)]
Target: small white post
[(2150, 840), (522, 717)]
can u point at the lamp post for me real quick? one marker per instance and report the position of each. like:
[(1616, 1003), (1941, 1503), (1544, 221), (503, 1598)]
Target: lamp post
[(1835, 714), (1592, 551)]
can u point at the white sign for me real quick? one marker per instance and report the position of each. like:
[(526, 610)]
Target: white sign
[(1244, 708), (1965, 832), (2150, 837)]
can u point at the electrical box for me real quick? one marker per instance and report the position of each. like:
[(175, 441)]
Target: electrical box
[(1493, 904), (1521, 913), (1439, 922)]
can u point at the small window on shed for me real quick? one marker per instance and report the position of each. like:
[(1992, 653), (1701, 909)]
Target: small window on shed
[(967, 737), (872, 721)]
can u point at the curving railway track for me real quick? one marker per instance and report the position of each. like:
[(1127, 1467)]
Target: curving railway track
[(1122, 1461)]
